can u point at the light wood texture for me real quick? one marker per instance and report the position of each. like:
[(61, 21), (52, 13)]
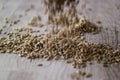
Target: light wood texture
[(13, 67)]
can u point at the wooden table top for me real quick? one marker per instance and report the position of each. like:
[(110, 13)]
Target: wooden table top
[(13, 67)]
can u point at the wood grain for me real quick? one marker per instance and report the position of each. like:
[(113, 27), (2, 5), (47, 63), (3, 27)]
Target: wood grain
[(13, 67)]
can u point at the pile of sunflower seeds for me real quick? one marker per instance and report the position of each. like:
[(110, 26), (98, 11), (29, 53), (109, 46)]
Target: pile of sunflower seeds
[(67, 44)]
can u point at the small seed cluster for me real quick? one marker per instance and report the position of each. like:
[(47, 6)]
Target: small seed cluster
[(35, 22), (10, 22), (78, 74), (27, 30)]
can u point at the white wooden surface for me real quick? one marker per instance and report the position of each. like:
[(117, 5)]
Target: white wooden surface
[(13, 67)]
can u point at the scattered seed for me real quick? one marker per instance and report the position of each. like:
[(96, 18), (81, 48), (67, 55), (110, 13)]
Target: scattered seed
[(20, 15), (2, 51), (83, 73), (89, 9), (83, 6), (16, 21), (105, 65), (106, 28), (4, 32), (1, 31), (69, 61), (35, 21), (40, 65), (4, 26), (99, 22), (88, 75), (10, 24), (6, 21)]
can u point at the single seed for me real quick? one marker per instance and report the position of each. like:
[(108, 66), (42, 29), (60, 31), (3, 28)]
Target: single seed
[(1, 31), (10, 24), (83, 73), (69, 61), (4, 26), (79, 72), (89, 9), (88, 75), (6, 21), (105, 65), (40, 65), (49, 58), (99, 22), (20, 15)]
